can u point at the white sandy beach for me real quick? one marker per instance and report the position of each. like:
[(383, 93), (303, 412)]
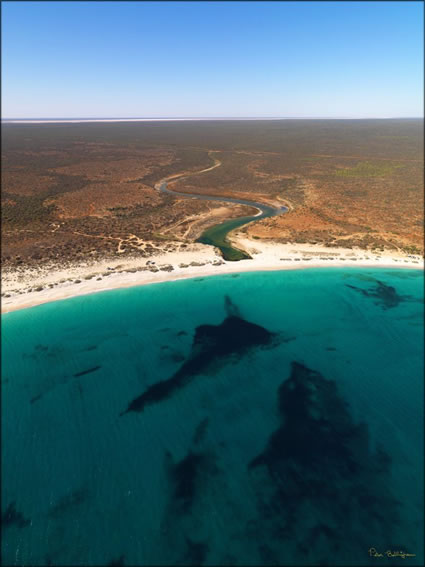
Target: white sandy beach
[(22, 289)]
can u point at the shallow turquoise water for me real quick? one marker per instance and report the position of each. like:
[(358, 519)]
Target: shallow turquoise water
[(217, 467)]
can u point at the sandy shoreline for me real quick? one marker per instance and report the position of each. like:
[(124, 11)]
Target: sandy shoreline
[(23, 289)]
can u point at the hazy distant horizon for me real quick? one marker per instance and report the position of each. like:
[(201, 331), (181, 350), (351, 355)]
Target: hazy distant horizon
[(38, 120)]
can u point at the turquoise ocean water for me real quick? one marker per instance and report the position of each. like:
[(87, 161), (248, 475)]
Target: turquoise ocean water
[(256, 419)]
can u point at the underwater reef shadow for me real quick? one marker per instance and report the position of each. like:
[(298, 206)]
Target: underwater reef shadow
[(11, 517), (69, 502), (385, 295), (212, 347), (189, 482), (320, 487)]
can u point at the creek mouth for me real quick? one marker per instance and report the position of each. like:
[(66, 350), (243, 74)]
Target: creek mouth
[(217, 235)]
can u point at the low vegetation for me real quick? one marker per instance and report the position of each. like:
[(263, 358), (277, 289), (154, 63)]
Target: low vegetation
[(72, 192)]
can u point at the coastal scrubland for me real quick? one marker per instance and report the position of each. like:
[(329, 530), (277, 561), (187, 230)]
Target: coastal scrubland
[(79, 192)]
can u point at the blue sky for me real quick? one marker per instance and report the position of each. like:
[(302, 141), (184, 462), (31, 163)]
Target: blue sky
[(212, 59)]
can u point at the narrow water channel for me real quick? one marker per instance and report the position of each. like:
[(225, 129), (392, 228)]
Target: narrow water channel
[(217, 235)]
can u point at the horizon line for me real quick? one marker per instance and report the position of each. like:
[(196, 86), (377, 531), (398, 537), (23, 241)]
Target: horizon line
[(197, 118)]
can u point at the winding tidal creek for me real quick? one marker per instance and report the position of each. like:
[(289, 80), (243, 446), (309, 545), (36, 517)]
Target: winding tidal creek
[(217, 235)]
